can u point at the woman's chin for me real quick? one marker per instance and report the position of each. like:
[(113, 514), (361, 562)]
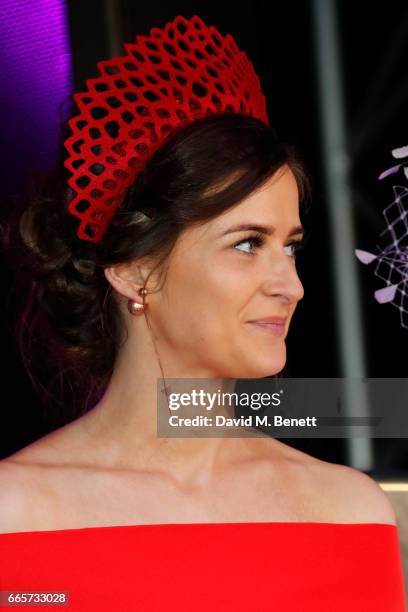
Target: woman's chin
[(269, 364), (261, 368)]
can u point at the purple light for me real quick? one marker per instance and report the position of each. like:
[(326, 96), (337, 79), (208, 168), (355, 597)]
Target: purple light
[(36, 76)]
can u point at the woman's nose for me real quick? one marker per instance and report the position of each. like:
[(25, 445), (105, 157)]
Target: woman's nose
[(284, 281)]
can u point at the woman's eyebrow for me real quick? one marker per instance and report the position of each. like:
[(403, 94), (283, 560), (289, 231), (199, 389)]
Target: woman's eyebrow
[(262, 229)]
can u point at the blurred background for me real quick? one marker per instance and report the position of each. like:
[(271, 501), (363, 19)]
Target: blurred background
[(334, 75)]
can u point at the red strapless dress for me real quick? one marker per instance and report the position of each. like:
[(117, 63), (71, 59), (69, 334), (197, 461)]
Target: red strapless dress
[(251, 567)]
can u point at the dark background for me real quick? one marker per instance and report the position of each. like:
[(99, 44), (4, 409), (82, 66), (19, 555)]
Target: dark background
[(278, 38)]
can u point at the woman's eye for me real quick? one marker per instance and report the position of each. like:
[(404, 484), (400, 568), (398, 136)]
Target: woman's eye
[(294, 248), (257, 241), (254, 240)]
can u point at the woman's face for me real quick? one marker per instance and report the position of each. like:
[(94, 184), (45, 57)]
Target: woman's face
[(220, 279)]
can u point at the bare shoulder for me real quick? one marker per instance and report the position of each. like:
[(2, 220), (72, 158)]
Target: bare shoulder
[(352, 495), (320, 491), (19, 496), (26, 484)]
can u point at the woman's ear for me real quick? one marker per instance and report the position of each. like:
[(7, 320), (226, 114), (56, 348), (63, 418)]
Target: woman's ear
[(127, 278)]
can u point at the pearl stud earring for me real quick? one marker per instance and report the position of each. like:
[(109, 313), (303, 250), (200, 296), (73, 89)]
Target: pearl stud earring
[(134, 307)]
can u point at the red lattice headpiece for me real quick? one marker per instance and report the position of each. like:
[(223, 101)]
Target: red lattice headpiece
[(176, 75)]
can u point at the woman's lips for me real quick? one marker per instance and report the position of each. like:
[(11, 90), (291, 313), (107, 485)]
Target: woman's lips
[(277, 328)]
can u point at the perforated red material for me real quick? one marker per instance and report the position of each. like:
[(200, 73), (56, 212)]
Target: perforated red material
[(176, 75)]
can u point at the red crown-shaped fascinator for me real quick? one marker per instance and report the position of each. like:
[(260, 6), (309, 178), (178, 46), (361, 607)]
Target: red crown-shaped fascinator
[(176, 75)]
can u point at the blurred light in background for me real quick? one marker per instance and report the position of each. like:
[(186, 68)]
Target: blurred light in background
[(36, 77)]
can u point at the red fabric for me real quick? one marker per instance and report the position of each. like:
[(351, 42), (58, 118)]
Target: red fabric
[(296, 567), (178, 74)]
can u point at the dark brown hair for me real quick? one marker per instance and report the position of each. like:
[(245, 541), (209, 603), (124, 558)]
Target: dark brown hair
[(70, 320)]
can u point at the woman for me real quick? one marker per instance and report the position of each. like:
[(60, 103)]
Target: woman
[(168, 244)]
